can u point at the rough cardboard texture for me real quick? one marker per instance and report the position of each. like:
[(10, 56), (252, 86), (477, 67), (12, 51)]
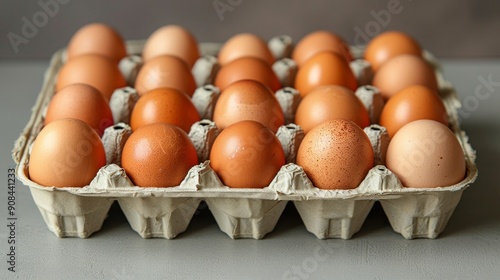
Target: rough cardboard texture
[(362, 70), (281, 46), (122, 102), (285, 69), (129, 67), (113, 139), (205, 69), (289, 99), (241, 213)]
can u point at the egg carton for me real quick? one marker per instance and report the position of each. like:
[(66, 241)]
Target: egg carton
[(240, 213)]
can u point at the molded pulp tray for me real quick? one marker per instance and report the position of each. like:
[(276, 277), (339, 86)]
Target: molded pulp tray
[(240, 213)]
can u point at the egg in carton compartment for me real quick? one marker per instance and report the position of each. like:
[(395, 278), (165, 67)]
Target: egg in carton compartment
[(241, 213)]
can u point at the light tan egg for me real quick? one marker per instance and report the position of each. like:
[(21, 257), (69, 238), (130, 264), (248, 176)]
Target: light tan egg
[(245, 45), (320, 41), (83, 102), (66, 153), (94, 70), (165, 71), (403, 71), (97, 38), (172, 40), (426, 154)]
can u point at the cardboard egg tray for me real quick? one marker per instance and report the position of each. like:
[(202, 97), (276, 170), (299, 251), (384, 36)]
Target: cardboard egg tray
[(240, 213)]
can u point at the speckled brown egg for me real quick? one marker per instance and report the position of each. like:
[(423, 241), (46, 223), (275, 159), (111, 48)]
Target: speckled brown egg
[(158, 155), (245, 45), (166, 105), (95, 70), (336, 155), (411, 104), (66, 153), (97, 38), (165, 71), (248, 100), (247, 68), (403, 71), (320, 41), (83, 102), (328, 103), (247, 155), (172, 40), (325, 68), (426, 154), (388, 45)]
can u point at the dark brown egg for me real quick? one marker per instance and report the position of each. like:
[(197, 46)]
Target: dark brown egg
[(166, 105), (325, 68), (247, 68), (158, 155), (247, 155)]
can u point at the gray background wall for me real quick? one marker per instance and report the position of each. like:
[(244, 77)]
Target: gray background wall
[(467, 28)]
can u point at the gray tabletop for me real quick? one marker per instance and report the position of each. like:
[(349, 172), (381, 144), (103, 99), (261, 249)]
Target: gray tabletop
[(469, 248)]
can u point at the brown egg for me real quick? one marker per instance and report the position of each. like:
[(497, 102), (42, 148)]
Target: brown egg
[(404, 71), (323, 69), (165, 71), (336, 155), (245, 45), (95, 70), (166, 105), (172, 40), (320, 41), (248, 100), (97, 38), (66, 153), (83, 102), (158, 155), (426, 154), (411, 104), (247, 68), (388, 45), (247, 155), (330, 102)]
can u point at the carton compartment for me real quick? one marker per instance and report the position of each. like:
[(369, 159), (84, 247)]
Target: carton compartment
[(158, 216), (422, 216), (70, 215), (334, 218), (244, 217)]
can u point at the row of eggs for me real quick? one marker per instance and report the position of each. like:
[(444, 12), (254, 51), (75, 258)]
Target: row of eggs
[(336, 154)]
